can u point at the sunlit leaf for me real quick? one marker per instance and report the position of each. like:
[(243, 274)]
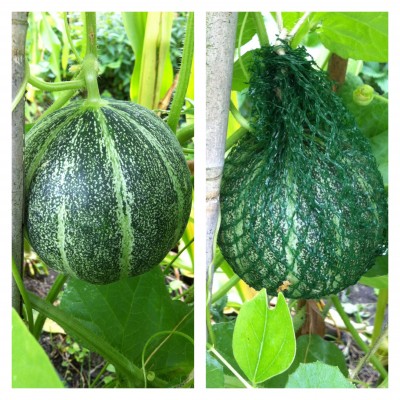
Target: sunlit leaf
[(263, 342), (358, 35), (318, 375), (31, 368), (310, 348)]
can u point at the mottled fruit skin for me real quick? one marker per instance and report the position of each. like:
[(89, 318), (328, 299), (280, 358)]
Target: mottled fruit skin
[(108, 191), (306, 232)]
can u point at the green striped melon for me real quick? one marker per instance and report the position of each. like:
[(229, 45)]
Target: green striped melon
[(108, 191)]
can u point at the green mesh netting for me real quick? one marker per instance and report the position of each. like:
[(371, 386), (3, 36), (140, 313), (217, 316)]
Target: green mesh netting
[(303, 206)]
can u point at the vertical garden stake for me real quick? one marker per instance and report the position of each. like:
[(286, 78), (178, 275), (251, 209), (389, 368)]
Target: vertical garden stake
[(19, 27), (221, 31)]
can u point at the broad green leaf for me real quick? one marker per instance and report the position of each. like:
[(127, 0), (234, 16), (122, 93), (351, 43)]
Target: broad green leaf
[(358, 35), (31, 368), (239, 80), (249, 29), (377, 282), (263, 342), (318, 375), (214, 372), (223, 332), (310, 348), (380, 268), (127, 313)]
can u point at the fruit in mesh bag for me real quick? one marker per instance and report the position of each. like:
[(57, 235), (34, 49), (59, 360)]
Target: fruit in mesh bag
[(303, 206)]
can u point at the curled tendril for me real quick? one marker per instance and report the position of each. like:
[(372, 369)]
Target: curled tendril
[(363, 95)]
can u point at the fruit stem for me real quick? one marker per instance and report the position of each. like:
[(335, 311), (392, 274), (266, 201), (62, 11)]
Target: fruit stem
[(90, 63)]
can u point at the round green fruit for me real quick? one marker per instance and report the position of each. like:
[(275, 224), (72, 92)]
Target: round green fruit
[(108, 191)]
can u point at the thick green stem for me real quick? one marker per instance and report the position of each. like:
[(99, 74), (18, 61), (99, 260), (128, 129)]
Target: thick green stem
[(71, 44), (56, 86), (298, 31), (260, 28), (374, 360), (231, 140), (380, 313), (63, 99), (239, 117), (186, 133), (50, 298), (90, 67), (90, 64), (184, 74), (20, 284), (91, 37), (246, 75)]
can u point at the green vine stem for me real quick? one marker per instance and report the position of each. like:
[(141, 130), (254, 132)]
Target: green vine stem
[(225, 288), (297, 33), (232, 139), (260, 28), (90, 31), (21, 92), (71, 44), (371, 351), (184, 74), (246, 75), (94, 342), (50, 298), (150, 339), (90, 64), (63, 99), (99, 375), (239, 117), (186, 133), (374, 360), (177, 256), (214, 351), (56, 86), (187, 150), (381, 304), (20, 284)]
